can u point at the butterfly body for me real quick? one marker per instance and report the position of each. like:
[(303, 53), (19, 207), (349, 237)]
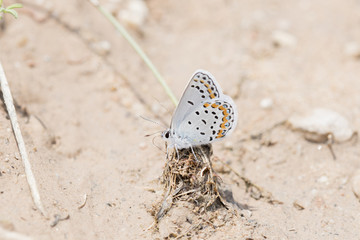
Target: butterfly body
[(204, 114)]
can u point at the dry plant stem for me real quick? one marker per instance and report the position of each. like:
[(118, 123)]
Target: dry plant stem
[(20, 141), (136, 47), (6, 234), (190, 178)]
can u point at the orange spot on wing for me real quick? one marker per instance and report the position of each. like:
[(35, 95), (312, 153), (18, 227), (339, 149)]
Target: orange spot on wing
[(220, 134), (212, 95), (214, 105), (202, 81), (209, 90), (206, 85), (206, 104), (222, 108)]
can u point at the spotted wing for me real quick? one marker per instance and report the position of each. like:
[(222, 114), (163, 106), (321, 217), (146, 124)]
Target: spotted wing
[(209, 122), (202, 87)]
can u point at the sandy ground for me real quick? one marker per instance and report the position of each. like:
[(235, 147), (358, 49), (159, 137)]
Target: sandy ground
[(85, 137)]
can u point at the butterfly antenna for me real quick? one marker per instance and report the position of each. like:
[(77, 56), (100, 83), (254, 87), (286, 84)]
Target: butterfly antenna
[(147, 119), (153, 142), (148, 135)]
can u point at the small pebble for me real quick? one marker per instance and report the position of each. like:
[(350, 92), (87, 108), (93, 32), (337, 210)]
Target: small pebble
[(228, 145), (283, 39), (323, 122), (102, 48), (266, 103), (135, 14), (352, 49), (246, 213), (142, 145), (112, 6), (323, 179)]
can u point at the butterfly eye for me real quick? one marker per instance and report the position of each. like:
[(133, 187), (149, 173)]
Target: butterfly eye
[(167, 134)]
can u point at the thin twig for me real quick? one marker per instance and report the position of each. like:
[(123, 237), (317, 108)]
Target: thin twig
[(20, 141), (6, 234), (84, 202), (58, 218), (136, 47)]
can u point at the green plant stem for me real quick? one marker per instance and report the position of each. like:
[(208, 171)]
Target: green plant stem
[(137, 48)]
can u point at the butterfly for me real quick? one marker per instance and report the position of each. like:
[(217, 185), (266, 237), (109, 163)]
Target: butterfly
[(204, 114)]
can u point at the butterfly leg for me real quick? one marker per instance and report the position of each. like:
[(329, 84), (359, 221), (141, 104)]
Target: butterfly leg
[(177, 153), (193, 152)]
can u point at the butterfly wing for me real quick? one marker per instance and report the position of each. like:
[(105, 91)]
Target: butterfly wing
[(208, 122), (202, 87)]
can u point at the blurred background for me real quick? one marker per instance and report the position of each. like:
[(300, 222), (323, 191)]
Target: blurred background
[(81, 90)]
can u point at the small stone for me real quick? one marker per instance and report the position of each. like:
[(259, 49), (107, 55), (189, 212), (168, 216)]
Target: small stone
[(112, 6), (283, 39), (352, 49), (8, 226), (126, 102), (246, 213), (319, 202), (355, 182), (323, 179), (31, 64), (266, 103), (135, 14), (323, 122), (102, 47), (229, 145), (142, 145)]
